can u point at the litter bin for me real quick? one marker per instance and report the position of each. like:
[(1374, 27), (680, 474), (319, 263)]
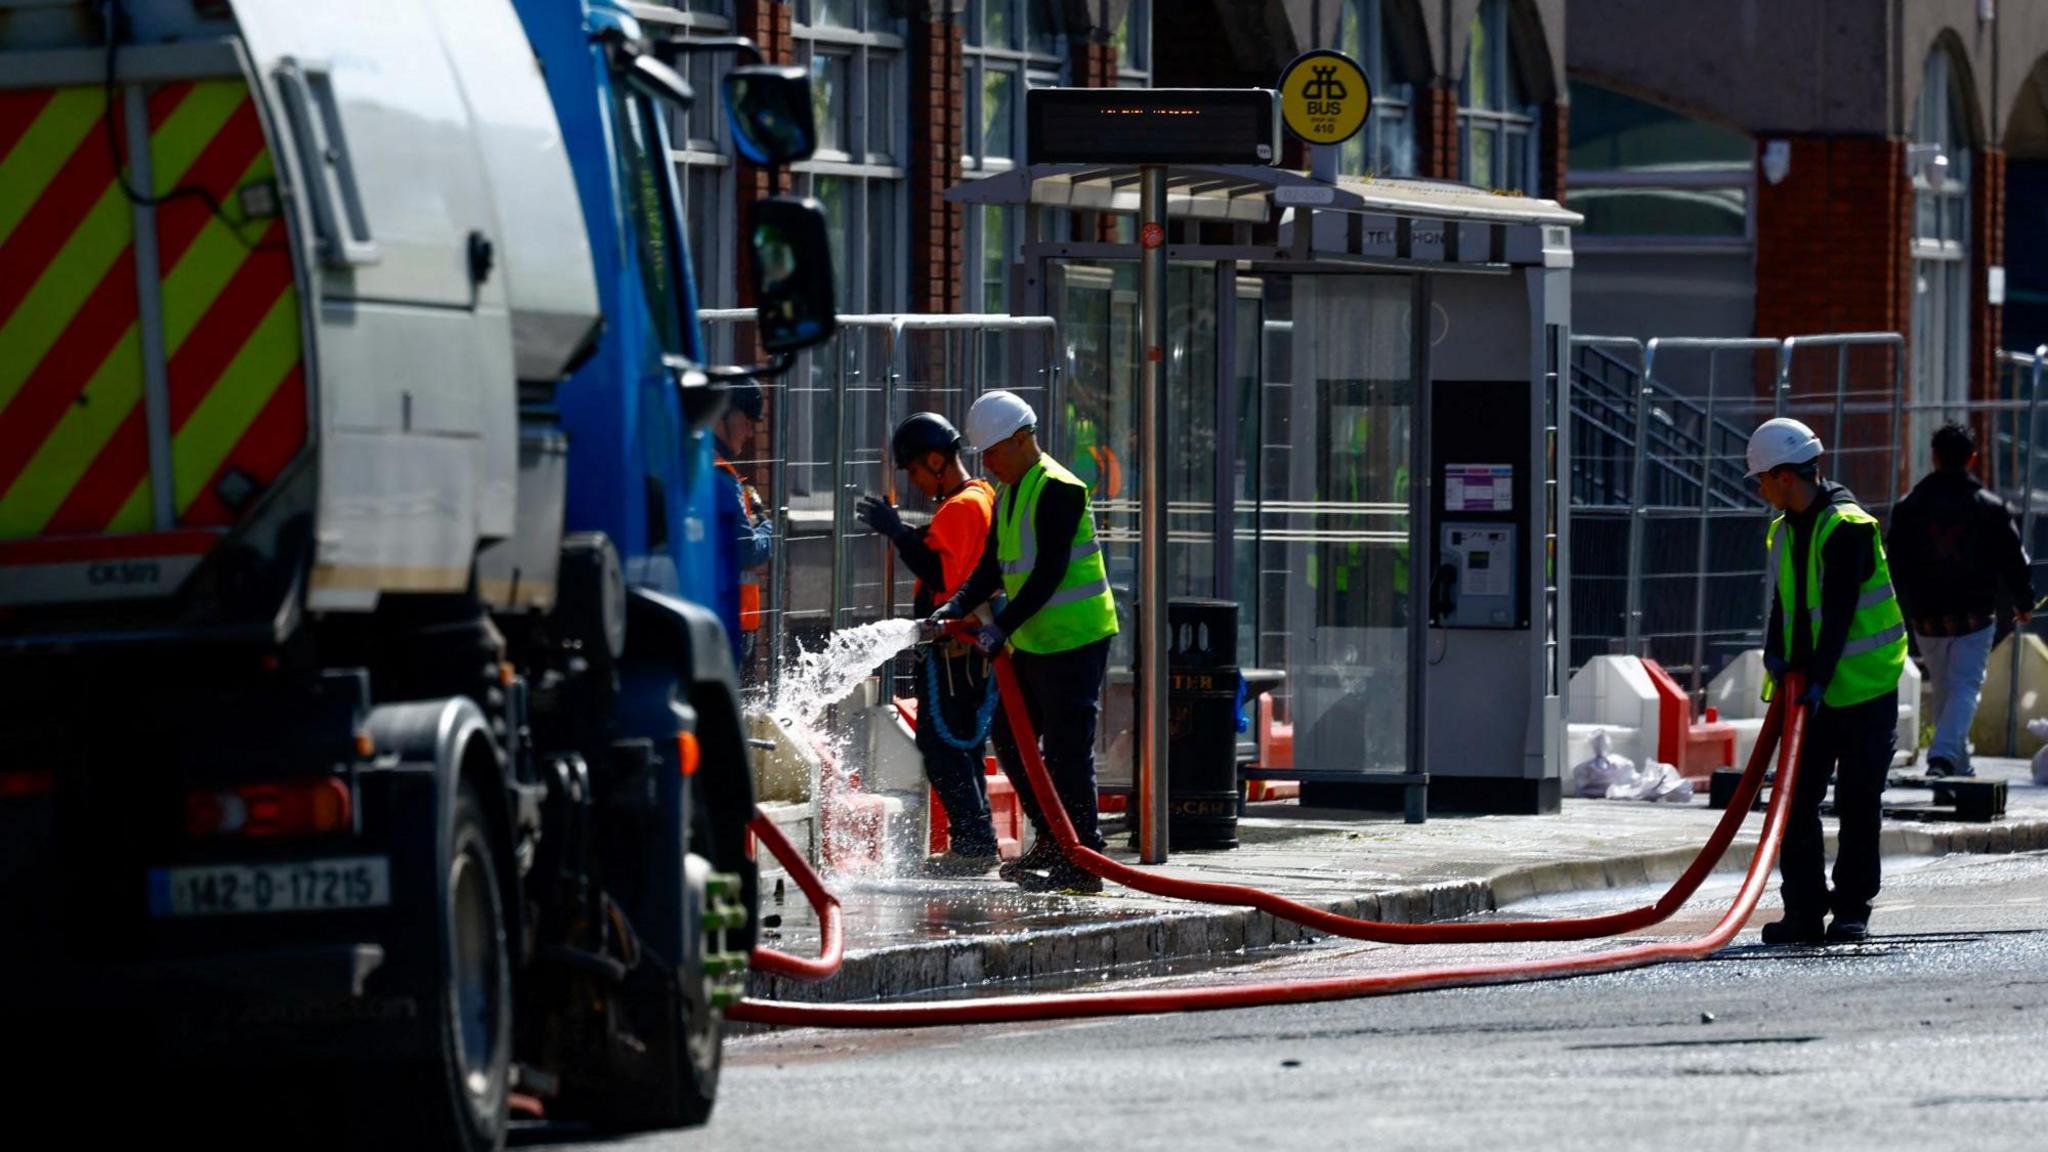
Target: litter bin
[(1201, 734)]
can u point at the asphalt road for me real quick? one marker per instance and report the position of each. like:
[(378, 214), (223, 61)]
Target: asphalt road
[(1933, 1035)]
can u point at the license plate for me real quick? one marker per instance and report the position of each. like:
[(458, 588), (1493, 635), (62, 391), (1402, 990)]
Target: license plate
[(298, 886)]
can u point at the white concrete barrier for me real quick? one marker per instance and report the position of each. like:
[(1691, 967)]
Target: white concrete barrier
[(1613, 693)]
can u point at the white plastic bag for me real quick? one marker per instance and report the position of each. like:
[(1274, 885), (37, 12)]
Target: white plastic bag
[(2039, 727), (1593, 779), (1653, 782)]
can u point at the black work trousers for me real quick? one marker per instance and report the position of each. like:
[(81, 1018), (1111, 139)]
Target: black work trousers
[(1855, 744), (1063, 695), (963, 681)]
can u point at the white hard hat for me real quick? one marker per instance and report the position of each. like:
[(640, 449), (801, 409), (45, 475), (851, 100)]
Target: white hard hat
[(996, 417), (1779, 442)]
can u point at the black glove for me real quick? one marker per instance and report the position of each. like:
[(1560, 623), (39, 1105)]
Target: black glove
[(989, 640), (935, 624), (880, 515), (1775, 666), (1813, 697)]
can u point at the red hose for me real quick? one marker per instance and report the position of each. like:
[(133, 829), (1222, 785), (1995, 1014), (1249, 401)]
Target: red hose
[(832, 941), (1505, 931), (1782, 720)]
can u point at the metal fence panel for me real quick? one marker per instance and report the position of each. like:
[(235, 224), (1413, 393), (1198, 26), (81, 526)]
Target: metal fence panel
[(831, 417)]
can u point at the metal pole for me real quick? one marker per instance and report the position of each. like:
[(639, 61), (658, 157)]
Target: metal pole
[(846, 348), (1632, 624), (2012, 672), (1421, 534), (1842, 390), (897, 359), (778, 481), (1901, 477), (1699, 556), (1224, 506), (1152, 767)]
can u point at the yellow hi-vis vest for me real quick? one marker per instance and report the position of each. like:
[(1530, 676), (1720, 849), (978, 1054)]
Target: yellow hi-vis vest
[(1875, 653), (1082, 610)]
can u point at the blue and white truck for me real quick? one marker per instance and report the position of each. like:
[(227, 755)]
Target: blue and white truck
[(366, 717)]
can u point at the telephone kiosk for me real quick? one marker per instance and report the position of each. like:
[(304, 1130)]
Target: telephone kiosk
[(1497, 628)]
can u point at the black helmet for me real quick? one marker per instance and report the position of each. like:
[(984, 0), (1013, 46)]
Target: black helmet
[(744, 396), (921, 433)]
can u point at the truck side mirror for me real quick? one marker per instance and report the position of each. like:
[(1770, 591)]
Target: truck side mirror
[(769, 108), (792, 269), (656, 80)]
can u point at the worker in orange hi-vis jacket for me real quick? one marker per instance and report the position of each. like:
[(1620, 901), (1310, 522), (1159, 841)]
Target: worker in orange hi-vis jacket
[(952, 681)]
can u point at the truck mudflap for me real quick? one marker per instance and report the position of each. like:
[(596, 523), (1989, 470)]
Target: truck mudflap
[(152, 380)]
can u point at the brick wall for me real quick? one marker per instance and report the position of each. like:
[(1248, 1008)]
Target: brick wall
[(1437, 128), (937, 140), (1987, 248), (1556, 149), (1833, 254), (1092, 62), (1832, 249)]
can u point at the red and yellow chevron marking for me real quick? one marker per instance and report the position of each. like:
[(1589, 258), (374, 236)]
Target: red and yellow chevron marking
[(74, 451)]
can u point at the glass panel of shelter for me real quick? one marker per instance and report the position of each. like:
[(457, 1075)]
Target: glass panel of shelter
[(1316, 451)]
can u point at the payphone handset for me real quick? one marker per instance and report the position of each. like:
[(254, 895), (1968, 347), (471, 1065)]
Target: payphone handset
[(1481, 578)]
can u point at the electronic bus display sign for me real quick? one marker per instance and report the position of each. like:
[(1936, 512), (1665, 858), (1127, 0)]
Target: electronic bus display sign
[(1152, 126)]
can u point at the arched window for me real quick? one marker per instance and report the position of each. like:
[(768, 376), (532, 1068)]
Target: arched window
[(1938, 160), (1496, 119), (1386, 146), (1640, 171)]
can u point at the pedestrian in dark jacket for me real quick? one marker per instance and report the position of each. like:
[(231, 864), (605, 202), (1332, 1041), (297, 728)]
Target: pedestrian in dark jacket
[(1954, 549)]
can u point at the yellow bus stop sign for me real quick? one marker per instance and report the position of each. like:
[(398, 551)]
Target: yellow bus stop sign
[(1324, 97)]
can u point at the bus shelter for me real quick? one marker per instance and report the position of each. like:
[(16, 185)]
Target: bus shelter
[(1363, 427)]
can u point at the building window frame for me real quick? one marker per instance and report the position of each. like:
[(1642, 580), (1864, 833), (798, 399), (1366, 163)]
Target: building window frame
[(1386, 145), (1030, 56), (1132, 40), (863, 182), (1688, 177), (1939, 162), (699, 148), (1501, 111), (872, 152)]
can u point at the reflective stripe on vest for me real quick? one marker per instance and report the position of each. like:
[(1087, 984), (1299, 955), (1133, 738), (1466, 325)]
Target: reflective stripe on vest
[(1082, 611), (1875, 653)]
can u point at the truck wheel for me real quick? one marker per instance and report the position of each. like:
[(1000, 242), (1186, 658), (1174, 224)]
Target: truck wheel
[(476, 992), (703, 1035), (701, 1027)]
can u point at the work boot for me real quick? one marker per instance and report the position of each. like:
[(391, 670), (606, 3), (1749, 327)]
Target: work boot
[(1791, 931), (1848, 931), (1939, 766), (962, 864), (1064, 878), (1043, 855)]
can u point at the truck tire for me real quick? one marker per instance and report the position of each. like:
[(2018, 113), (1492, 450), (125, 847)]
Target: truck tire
[(700, 1031), (475, 998)]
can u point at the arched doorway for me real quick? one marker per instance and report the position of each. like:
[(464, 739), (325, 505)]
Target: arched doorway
[(2026, 214)]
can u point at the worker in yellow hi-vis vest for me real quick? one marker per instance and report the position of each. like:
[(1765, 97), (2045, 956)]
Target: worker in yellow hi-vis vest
[(1834, 619), (1043, 554)]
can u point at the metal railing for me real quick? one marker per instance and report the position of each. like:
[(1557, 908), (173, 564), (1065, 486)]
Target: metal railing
[(1668, 555), (830, 419), (1667, 552)]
